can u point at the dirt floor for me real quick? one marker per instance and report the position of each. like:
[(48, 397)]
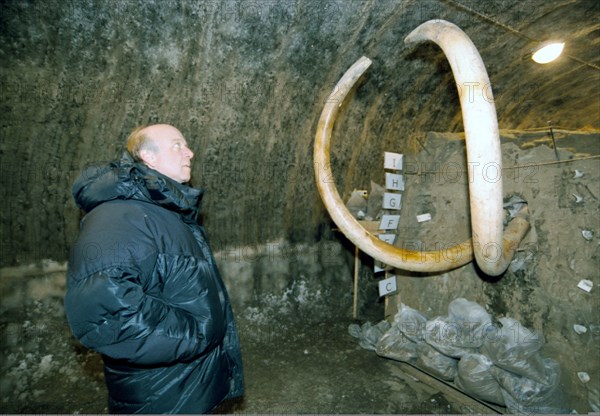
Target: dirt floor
[(293, 363)]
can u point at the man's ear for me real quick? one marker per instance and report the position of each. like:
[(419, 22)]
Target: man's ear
[(148, 157)]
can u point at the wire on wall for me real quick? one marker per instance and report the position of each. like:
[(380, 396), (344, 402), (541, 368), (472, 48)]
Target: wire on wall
[(528, 165), (513, 30)]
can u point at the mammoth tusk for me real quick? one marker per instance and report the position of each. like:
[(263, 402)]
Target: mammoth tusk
[(421, 261), (493, 249)]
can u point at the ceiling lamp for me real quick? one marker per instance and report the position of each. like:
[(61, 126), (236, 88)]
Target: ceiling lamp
[(547, 52)]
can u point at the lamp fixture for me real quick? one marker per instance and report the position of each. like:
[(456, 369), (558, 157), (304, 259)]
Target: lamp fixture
[(547, 52)]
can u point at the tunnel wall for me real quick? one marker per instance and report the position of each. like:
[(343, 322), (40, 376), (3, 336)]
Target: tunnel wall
[(541, 288), (245, 82)]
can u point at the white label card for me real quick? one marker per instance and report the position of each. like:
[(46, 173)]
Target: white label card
[(424, 217), (394, 181), (586, 285), (389, 222), (392, 201), (387, 286), (388, 238), (393, 161)]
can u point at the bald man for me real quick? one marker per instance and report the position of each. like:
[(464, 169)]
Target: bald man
[(143, 288)]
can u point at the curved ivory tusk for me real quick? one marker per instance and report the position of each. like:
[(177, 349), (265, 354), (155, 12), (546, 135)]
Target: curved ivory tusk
[(493, 251), (421, 261)]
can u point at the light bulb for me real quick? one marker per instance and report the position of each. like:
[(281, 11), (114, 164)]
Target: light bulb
[(548, 52)]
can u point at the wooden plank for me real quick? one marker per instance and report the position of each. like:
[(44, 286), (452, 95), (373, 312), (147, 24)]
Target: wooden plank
[(467, 403)]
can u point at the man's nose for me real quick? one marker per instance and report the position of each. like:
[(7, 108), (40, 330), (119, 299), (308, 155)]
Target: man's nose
[(189, 153)]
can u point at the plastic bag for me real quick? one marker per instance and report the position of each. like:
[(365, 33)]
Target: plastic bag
[(516, 349), (444, 335), (395, 345), (400, 341), (368, 334), (476, 379), (411, 323), (435, 362), (462, 331), (472, 319), (523, 395), (513, 206)]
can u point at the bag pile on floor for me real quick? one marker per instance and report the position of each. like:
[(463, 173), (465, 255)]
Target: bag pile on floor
[(497, 362)]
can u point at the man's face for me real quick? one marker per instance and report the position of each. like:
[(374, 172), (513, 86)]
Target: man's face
[(173, 157)]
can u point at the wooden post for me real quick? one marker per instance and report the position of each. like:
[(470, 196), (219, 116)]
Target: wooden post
[(355, 306)]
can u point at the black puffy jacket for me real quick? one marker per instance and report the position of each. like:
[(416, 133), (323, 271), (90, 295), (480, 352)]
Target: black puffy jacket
[(144, 291)]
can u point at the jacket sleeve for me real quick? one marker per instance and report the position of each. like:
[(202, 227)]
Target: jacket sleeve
[(109, 312)]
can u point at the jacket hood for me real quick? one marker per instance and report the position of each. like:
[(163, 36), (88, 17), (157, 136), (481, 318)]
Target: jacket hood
[(127, 179)]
